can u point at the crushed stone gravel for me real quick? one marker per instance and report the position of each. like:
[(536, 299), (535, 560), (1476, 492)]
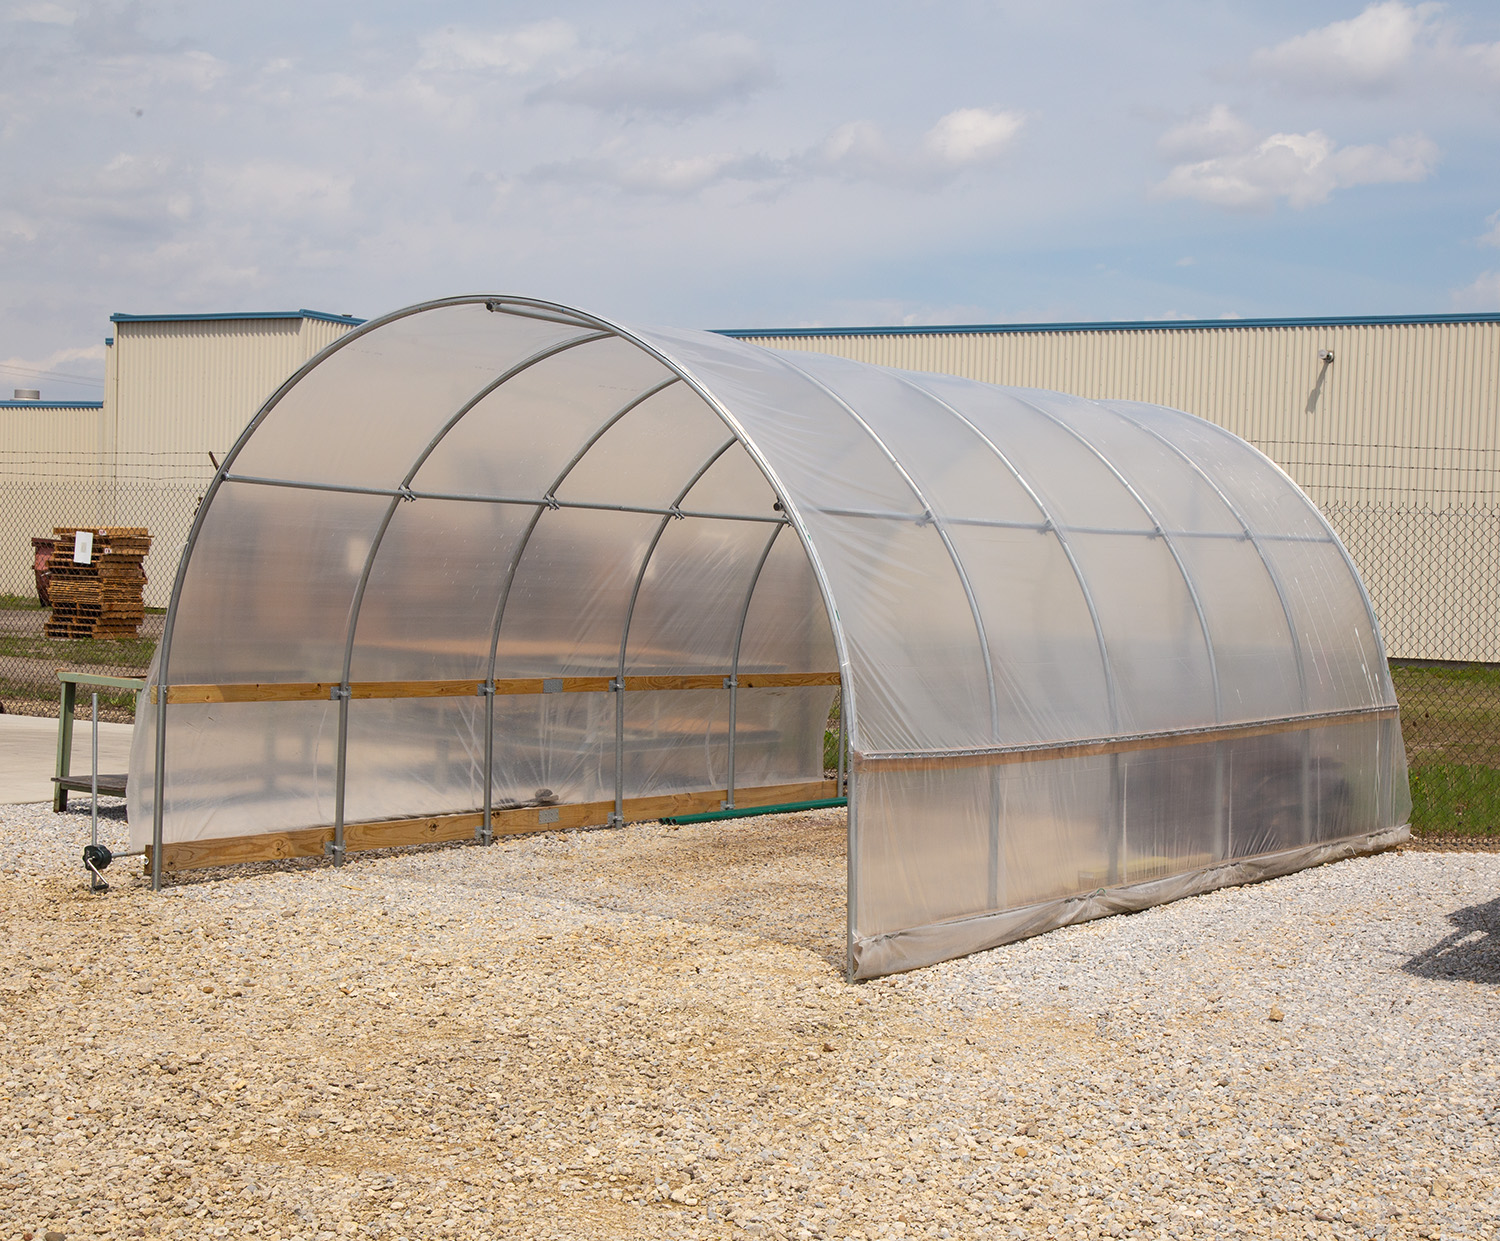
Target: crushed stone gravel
[(646, 1033)]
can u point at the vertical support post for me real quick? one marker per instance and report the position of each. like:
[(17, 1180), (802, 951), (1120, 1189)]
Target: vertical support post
[(617, 684), (1115, 830), (997, 816), (732, 684), (1221, 809), (159, 775), (1308, 824), (340, 694), (94, 771), (64, 743), (487, 828), (1229, 807)]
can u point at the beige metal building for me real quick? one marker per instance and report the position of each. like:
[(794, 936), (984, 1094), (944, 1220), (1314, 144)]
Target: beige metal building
[(177, 388), (1391, 424)]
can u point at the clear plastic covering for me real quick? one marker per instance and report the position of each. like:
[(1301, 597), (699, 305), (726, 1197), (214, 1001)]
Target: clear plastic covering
[(490, 554)]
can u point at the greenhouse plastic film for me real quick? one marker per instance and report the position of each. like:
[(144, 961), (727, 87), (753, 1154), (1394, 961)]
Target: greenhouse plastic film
[(1094, 654)]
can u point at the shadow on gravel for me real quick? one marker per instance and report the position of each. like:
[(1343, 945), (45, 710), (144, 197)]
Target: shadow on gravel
[(1470, 954)]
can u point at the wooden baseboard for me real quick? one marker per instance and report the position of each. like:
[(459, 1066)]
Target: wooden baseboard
[(393, 833)]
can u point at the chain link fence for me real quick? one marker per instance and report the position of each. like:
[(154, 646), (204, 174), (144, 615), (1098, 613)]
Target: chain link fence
[(1433, 576), (30, 510)]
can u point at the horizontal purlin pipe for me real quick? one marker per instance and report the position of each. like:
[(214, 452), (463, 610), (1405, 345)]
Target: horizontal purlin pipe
[(321, 691), (461, 497), (999, 756)]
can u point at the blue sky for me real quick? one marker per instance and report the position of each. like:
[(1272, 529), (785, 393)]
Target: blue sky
[(717, 165)]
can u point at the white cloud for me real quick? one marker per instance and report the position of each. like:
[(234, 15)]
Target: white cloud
[(1492, 238), (1217, 132), (1304, 169), (459, 49), (971, 136), (1483, 294), (686, 79), (1386, 45), (1368, 52), (854, 151)]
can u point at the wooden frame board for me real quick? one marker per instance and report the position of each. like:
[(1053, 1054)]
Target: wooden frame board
[(1001, 757), (323, 691), (392, 833)]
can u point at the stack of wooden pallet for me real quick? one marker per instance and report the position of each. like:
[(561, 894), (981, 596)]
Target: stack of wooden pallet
[(102, 596)]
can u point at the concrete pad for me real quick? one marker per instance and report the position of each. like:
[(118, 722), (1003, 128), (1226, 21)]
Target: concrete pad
[(28, 754)]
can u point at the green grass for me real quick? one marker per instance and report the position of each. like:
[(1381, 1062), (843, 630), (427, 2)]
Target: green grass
[(90, 652), (116, 700), (19, 603), (1453, 799), (1450, 721)]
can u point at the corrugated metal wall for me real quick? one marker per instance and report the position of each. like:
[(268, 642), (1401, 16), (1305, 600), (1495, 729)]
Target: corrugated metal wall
[(1396, 440), (185, 388), (174, 391), (53, 472)]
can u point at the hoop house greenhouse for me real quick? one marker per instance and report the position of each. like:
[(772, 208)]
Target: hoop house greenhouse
[(491, 565)]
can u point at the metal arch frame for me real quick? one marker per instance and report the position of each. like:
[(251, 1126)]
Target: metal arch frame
[(565, 316), (635, 593), (401, 493), (512, 305)]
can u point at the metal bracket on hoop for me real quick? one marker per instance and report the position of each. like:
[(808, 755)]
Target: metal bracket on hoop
[(333, 850), (616, 685), (338, 693), (615, 820), (485, 689), (484, 835)]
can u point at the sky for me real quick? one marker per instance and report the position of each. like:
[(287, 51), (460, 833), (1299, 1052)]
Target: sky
[(826, 163)]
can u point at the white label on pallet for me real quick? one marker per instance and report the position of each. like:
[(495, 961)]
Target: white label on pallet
[(83, 547)]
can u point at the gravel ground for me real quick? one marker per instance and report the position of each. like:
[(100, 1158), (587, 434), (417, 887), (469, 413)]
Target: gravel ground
[(645, 1033)]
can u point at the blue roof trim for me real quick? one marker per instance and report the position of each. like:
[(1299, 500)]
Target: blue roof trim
[(108, 341), (250, 314), (51, 404), (1137, 325)]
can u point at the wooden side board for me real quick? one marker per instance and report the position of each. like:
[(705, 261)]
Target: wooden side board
[(390, 833), (1002, 757), (323, 691)]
